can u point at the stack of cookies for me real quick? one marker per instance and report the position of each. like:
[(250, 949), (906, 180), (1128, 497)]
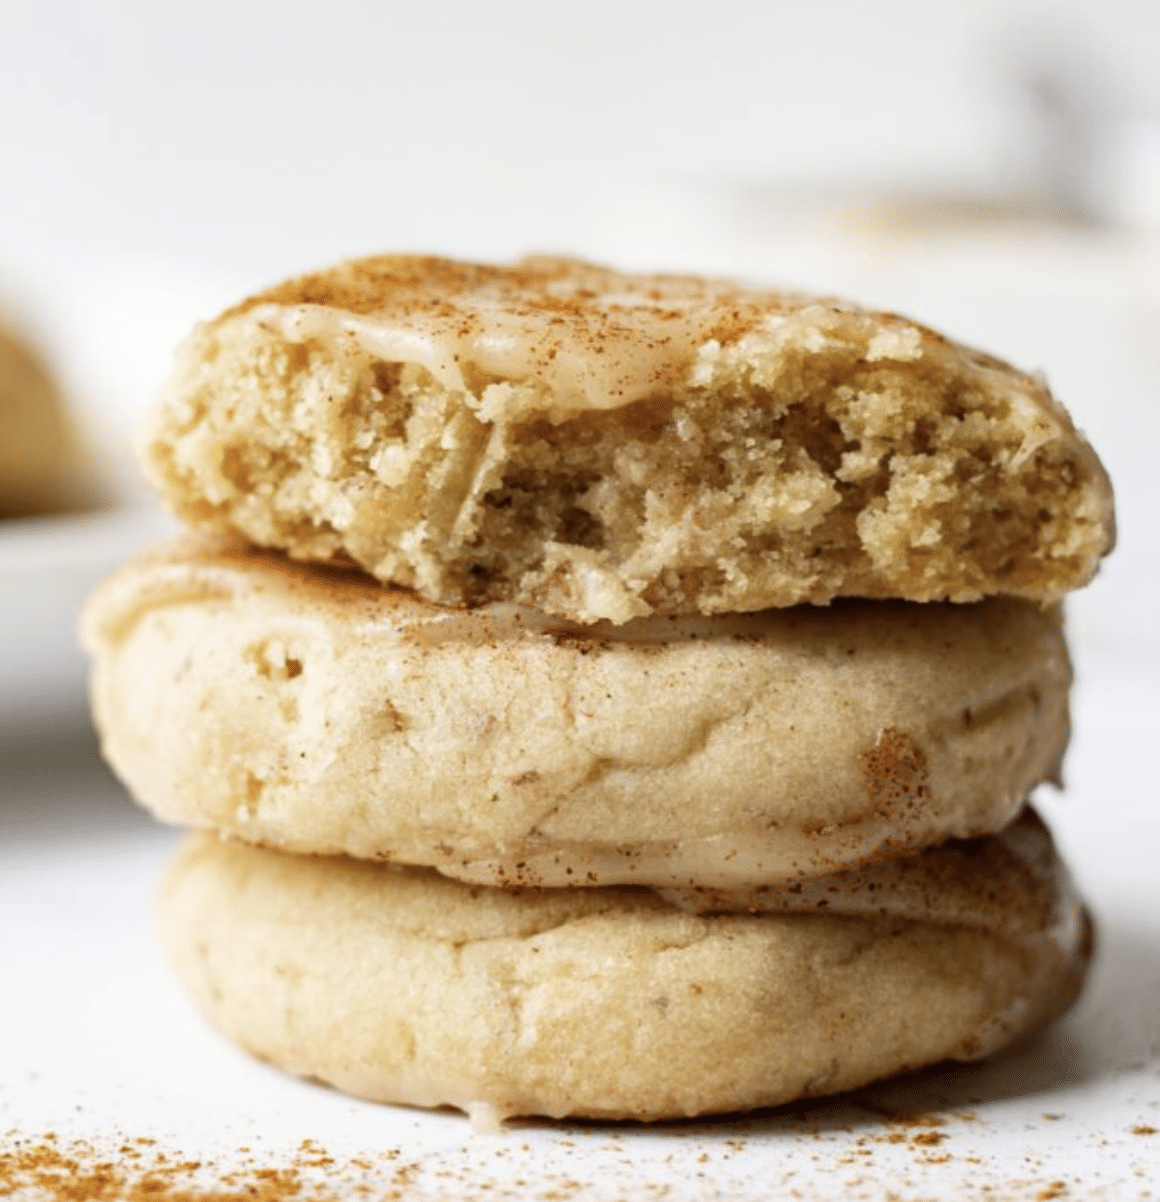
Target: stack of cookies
[(600, 694)]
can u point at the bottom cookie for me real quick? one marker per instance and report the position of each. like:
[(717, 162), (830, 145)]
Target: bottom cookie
[(400, 985)]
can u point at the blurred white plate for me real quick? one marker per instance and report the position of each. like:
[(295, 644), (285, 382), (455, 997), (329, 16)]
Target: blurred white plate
[(47, 568)]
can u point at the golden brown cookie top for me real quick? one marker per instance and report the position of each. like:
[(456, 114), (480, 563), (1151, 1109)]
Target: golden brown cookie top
[(593, 336), (579, 328)]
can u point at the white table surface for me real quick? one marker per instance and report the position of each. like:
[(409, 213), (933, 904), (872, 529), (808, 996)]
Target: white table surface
[(99, 1043)]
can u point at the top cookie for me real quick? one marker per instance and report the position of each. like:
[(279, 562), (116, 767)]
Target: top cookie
[(606, 446)]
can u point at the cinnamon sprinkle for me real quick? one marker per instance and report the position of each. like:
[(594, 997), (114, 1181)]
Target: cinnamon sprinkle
[(73, 1170)]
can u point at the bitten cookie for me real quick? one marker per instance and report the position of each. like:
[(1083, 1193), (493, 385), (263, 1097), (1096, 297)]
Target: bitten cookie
[(400, 985), (604, 446), (317, 711)]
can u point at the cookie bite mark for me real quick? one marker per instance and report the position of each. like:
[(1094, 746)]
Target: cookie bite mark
[(606, 446)]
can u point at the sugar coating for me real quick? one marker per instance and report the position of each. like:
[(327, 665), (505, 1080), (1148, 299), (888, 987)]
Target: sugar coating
[(605, 446)]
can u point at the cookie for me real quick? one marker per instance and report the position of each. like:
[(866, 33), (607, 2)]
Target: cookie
[(400, 985), (604, 446), (317, 711), (42, 468)]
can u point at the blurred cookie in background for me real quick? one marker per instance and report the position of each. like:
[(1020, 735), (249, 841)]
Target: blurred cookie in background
[(65, 519), (45, 467)]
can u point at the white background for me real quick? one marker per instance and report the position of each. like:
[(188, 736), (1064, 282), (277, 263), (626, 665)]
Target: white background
[(273, 135)]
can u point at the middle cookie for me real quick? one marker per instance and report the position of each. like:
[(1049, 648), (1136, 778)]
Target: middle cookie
[(316, 711)]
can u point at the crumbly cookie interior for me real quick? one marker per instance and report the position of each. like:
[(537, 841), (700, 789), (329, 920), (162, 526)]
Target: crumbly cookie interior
[(832, 457)]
